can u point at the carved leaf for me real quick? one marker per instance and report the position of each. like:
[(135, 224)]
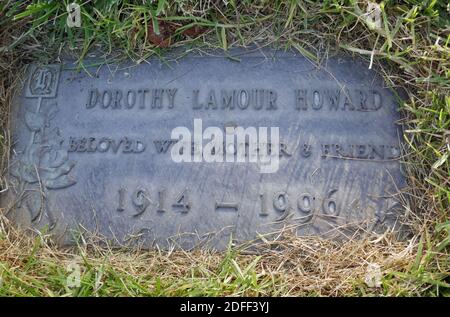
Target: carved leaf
[(24, 172), (34, 205), (60, 182), (34, 121)]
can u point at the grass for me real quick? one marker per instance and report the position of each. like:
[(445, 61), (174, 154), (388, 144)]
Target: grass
[(411, 47)]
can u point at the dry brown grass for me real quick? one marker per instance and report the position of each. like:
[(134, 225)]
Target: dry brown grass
[(298, 267)]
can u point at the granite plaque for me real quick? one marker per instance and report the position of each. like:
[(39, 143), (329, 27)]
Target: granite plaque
[(197, 150)]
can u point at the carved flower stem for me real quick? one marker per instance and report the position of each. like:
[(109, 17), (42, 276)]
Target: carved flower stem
[(33, 133), (44, 194), (48, 212)]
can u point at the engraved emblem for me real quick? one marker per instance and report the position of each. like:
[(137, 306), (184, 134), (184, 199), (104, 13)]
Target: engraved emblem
[(43, 81), (44, 162)]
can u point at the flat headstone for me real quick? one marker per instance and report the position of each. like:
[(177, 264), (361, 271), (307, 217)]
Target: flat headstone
[(92, 149)]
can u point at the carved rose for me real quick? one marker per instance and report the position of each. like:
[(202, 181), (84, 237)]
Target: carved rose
[(44, 160)]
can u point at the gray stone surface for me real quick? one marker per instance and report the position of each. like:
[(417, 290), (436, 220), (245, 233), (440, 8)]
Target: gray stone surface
[(89, 150)]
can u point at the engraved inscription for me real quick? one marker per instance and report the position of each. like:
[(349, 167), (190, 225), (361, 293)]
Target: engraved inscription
[(105, 145), (338, 99), (333, 99), (114, 99)]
